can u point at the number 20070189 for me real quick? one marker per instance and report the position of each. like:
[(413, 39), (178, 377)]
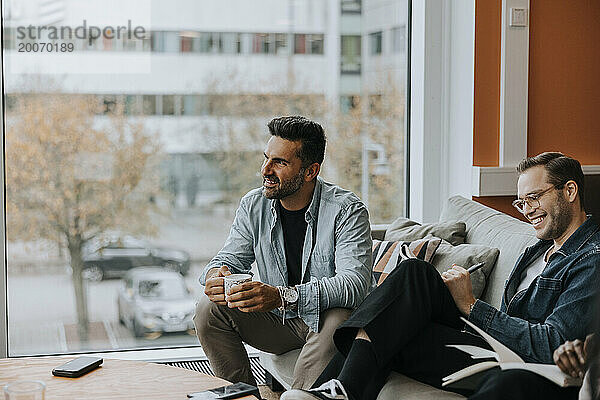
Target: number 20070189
[(43, 47)]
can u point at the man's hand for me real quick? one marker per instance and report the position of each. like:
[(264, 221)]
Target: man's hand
[(571, 356), (254, 297), (458, 281), (215, 289)]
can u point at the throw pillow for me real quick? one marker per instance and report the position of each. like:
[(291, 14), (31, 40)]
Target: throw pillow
[(405, 229), (387, 254), (467, 255)]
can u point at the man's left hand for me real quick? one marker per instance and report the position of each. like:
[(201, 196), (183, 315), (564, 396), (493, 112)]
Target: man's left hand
[(254, 296), (458, 281)]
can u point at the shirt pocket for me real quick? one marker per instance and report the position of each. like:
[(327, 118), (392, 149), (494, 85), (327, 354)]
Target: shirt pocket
[(544, 297)]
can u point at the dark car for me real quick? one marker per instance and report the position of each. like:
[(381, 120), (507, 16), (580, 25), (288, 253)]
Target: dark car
[(153, 300), (114, 254)]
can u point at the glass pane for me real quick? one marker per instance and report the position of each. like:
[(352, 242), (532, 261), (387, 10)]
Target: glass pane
[(375, 41), (126, 156), (399, 39), (351, 6), (300, 44), (168, 105), (351, 54)]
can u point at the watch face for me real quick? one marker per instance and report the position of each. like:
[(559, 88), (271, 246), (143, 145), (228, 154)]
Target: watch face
[(290, 295)]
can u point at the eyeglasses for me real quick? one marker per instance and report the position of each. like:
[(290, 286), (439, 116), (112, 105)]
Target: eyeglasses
[(532, 200)]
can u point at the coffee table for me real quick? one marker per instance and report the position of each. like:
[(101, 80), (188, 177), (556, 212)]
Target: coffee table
[(116, 379)]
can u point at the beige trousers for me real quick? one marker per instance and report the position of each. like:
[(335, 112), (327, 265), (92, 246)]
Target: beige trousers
[(222, 330)]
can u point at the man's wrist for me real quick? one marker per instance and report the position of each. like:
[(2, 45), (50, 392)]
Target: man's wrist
[(469, 307)]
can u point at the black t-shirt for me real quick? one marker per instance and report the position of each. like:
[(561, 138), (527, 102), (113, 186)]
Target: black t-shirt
[(294, 230)]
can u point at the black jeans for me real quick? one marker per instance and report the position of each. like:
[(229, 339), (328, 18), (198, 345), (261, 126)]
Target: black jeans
[(520, 384), (410, 318)]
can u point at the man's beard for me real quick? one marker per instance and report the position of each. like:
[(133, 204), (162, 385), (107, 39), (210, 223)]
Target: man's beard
[(285, 188), (560, 218)]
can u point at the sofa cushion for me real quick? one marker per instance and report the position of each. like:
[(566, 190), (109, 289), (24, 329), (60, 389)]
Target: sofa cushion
[(489, 227), (467, 255), (405, 229), (387, 255)]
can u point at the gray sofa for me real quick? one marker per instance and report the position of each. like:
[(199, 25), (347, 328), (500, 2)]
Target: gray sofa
[(485, 226)]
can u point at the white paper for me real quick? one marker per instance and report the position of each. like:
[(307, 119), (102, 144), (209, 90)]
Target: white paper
[(476, 352)]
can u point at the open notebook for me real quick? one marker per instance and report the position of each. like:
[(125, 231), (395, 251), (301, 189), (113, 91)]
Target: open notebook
[(468, 377)]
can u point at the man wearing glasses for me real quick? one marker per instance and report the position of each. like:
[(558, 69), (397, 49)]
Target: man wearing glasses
[(407, 323)]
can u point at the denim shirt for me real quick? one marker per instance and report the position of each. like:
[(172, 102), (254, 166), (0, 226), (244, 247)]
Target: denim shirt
[(557, 306), (336, 258)]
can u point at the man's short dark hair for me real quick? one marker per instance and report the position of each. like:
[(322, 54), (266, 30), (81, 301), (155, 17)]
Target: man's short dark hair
[(560, 170), (298, 128)]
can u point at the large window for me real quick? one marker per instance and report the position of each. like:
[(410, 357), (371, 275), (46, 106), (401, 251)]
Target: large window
[(132, 147), (351, 54)]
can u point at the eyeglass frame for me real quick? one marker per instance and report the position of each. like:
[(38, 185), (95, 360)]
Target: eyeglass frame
[(531, 198)]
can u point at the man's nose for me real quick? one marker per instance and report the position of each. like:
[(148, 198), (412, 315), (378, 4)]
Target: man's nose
[(527, 209), (266, 167)]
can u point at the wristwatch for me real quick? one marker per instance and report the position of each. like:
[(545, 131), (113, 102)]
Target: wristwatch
[(289, 299)]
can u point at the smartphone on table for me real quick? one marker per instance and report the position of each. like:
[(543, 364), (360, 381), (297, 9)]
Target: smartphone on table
[(233, 391), (77, 367)]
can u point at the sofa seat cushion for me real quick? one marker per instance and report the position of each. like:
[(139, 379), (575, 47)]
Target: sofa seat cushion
[(402, 387)]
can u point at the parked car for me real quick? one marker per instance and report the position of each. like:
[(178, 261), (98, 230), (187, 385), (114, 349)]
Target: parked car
[(154, 300), (111, 255)]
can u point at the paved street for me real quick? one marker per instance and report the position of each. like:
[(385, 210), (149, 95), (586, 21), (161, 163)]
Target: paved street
[(41, 303), (42, 316)]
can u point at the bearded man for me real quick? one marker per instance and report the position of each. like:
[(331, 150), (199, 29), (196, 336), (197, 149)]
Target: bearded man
[(311, 241)]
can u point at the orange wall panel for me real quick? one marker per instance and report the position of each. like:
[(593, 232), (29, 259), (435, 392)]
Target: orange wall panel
[(501, 203), (486, 107), (564, 79)]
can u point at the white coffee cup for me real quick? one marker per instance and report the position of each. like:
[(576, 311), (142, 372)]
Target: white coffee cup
[(234, 280)]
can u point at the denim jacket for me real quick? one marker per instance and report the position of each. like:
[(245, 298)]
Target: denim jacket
[(557, 306), (336, 259)]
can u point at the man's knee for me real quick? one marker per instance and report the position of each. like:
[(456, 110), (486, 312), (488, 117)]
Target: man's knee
[(413, 268), (206, 313), (332, 318)]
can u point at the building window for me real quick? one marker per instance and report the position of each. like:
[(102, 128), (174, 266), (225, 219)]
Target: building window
[(349, 103), (375, 43), (351, 6), (308, 44), (195, 105), (263, 43), (281, 44), (399, 39), (149, 104), (186, 42), (351, 54), (8, 39), (168, 105), (231, 43)]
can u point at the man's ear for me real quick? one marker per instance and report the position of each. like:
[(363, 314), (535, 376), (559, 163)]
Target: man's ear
[(312, 171), (572, 190)]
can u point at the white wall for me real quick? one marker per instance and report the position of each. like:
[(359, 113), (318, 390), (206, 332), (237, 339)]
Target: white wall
[(459, 154), (206, 15), (172, 72)]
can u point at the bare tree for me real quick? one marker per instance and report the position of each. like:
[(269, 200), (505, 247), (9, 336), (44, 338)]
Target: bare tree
[(71, 175)]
